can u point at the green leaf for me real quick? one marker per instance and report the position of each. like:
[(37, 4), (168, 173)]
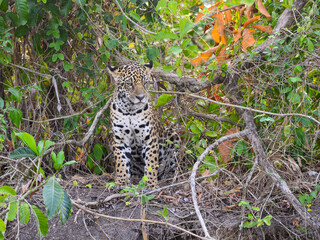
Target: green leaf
[(54, 57), (296, 98), (42, 221), (210, 134), (163, 99), (173, 6), (174, 50), (59, 161), (267, 220), (152, 53), (287, 130), (22, 11), (247, 2), (2, 226), (185, 43), (16, 93), (24, 213), (43, 146), (298, 69), (52, 196), (69, 163), (185, 27), (65, 208), (286, 90), (310, 45), (29, 141), (22, 152), (98, 152), (13, 209), (7, 190), (294, 79), (15, 116), (195, 129), (165, 35), (1, 103), (161, 4)]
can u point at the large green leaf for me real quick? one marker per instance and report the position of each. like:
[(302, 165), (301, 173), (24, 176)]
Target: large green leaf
[(7, 190), (163, 99), (185, 27), (65, 208), (52, 196), (13, 210), (24, 213), (165, 35), (22, 11), (29, 141), (42, 221), (22, 152), (2, 226), (15, 116)]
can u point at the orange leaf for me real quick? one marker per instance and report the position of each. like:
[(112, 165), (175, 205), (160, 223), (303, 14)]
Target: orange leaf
[(226, 147), (266, 29), (199, 17), (218, 31), (221, 56), (204, 56), (263, 10), (242, 11), (237, 35), (249, 10), (248, 39), (251, 20), (227, 14)]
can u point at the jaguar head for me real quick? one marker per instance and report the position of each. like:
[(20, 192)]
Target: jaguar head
[(131, 82)]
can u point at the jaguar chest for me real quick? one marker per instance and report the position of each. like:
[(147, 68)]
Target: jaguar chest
[(133, 127)]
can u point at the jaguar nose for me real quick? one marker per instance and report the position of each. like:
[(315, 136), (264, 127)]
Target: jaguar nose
[(140, 97)]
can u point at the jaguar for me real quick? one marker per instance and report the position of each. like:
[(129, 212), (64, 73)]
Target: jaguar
[(141, 144)]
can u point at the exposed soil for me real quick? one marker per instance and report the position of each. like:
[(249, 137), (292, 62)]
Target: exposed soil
[(218, 200)]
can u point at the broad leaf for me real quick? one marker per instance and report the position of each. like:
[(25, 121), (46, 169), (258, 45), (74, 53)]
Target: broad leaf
[(65, 208), (24, 213), (13, 210), (185, 27), (15, 116), (163, 99), (52, 196), (7, 190), (29, 141), (22, 11), (42, 221), (2, 226), (22, 152), (166, 35)]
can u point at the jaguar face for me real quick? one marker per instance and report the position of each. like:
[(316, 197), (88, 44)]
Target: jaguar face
[(131, 82)]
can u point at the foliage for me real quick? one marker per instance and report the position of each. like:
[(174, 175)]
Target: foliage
[(306, 199), (54, 53), (252, 216)]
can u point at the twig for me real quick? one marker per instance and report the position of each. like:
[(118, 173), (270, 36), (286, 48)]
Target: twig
[(92, 127), (134, 23), (241, 107), (194, 171), (135, 220), (244, 196)]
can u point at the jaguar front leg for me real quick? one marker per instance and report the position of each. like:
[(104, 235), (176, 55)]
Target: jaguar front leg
[(122, 155), (150, 153)]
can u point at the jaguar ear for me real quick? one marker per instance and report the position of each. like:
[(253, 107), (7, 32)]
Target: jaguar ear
[(110, 68), (149, 65)]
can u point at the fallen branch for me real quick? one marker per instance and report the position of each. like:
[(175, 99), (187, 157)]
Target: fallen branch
[(194, 171), (135, 220)]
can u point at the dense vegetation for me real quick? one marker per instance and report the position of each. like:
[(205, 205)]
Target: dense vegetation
[(239, 80)]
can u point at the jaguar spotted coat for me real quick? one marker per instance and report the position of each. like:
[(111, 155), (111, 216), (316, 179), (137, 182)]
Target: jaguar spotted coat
[(141, 144)]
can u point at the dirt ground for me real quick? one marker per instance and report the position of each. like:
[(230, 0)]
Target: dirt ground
[(218, 200)]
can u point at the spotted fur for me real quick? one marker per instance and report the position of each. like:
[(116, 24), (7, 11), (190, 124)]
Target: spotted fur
[(141, 144)]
